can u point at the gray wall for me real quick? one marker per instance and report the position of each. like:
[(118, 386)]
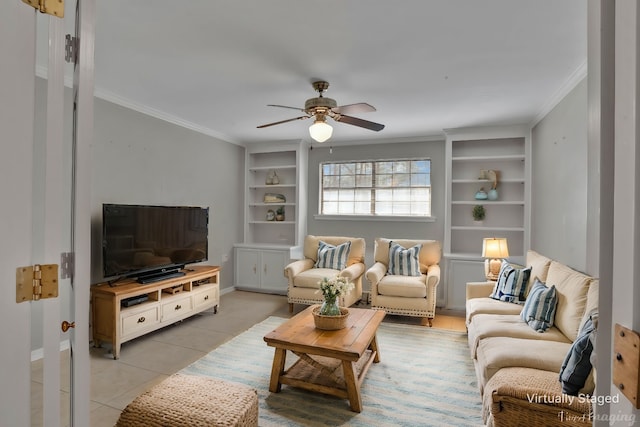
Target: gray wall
[(139, 159), (370, 229), (559, 181)]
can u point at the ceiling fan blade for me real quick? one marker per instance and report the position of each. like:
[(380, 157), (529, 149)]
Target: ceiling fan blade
[(285, 106), (359, 122), (361, 107), (283, 121)]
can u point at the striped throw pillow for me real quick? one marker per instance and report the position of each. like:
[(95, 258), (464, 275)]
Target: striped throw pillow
[(577, 363), (334, 257), (403, 262), (540, 307), (512, 284)]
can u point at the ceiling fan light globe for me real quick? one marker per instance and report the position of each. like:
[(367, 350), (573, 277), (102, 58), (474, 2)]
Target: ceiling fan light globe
[(320, 131)]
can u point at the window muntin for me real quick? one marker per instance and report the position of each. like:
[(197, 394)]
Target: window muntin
[(381, 187)]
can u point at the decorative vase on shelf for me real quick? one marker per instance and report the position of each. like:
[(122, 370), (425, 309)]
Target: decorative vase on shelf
[(492, 194), (481, 194)]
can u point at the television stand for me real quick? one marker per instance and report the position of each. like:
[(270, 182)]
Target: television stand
[(127, 311), (158, 276)]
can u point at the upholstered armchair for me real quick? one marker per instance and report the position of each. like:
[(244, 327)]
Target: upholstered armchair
[(405, 276), (322, 258)]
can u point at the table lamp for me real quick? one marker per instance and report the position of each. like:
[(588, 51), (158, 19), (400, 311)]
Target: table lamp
[(494, 249)]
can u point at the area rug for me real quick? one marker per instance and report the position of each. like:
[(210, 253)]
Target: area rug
[(425, 378)]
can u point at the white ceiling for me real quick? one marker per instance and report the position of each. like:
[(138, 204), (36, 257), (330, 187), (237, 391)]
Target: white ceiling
[(426, 65)]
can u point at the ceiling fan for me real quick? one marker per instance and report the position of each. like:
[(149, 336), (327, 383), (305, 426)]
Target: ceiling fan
[(321, 107)]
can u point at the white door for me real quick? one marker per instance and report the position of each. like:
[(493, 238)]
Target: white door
[(36, 221), (273, 264), (247, 262)]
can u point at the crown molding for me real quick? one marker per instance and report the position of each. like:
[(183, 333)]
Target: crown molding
[(572, 81)]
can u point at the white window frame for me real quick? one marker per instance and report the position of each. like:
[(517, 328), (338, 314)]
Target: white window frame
[(373, 188)]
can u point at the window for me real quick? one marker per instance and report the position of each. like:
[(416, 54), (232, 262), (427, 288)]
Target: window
[(381, 187)]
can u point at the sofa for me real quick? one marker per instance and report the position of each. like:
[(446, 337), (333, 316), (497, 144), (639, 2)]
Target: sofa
[(304, 275), (516, 359)]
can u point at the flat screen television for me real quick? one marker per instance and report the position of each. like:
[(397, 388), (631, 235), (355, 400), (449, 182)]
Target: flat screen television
[(152, 242)]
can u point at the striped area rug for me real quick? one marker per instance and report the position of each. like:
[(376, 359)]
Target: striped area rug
[(425, 378)]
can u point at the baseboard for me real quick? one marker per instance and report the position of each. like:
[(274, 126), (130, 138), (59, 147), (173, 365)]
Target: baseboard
[(227, 290), (38, 353)]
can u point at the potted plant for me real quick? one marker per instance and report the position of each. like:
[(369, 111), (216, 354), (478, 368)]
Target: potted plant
[(280, 214), (478, 213)]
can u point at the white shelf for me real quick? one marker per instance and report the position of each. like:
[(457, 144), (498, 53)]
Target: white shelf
[(488, 202), (486, 228), (272, 222), (489, 158), (480, 181), (271, 204), (270, 186), (268, 168)]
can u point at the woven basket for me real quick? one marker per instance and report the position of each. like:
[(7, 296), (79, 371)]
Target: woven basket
[(330, 323)]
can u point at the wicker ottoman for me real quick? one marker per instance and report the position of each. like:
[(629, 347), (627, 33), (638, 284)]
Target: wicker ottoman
[(187, 400), (524, 397)]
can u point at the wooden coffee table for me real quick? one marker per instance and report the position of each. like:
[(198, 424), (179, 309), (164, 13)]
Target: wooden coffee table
[(330, 362)]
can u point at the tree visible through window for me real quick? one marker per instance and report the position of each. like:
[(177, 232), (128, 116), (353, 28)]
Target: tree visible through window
[(382, 187)]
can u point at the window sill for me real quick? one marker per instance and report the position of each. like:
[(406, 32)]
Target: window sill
[(374, 218)]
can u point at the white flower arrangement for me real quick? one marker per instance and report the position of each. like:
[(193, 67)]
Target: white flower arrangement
[(334, 287)]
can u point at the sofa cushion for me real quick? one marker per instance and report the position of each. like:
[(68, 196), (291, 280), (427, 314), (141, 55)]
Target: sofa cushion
[(571, 288), (540, 307), (577, 364), (404, 262), (489, 306), (539, 266), (592, 301), (356, 253), (311, 278), (430, 253), (506, 325), (403, 286), (334, 257), (495, 353), (512, 283)]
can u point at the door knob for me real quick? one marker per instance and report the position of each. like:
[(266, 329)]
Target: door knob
[(66, 325)]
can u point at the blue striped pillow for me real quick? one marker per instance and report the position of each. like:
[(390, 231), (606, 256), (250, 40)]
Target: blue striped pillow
[(577, 363), (512, 284), (334, 257), (404, 262), (540, 307)]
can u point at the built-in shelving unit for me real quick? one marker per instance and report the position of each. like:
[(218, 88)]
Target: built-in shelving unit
[(269, 239), (468, 151)]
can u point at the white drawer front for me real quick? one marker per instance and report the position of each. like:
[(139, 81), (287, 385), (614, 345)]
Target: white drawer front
[(206, 297), (176, 308), (135, 322)]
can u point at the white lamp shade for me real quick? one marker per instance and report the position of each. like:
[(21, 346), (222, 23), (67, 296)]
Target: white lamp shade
[(320, 131), (495, 248)]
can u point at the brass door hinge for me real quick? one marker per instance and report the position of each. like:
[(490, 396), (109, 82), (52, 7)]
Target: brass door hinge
[(36, 282), (50, 7)]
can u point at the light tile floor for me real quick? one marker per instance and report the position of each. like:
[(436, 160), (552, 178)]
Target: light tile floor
[(150, 359)]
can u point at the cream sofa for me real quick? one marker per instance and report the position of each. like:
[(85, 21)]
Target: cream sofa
[(303, 277), (499, 339)]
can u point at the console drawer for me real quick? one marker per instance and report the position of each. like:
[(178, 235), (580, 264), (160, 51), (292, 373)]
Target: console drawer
[(207, 296), (176, 308), (135, 322)]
